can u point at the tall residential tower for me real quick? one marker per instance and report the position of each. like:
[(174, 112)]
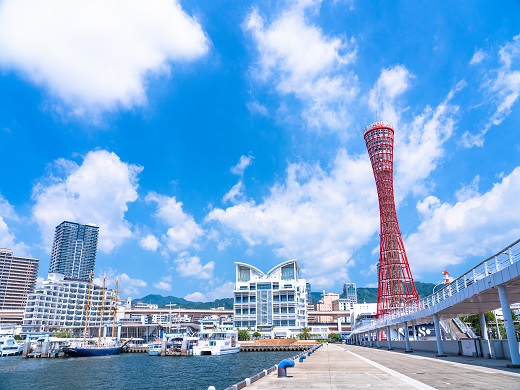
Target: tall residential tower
[(74, 250), (17, 280), (395, 283)]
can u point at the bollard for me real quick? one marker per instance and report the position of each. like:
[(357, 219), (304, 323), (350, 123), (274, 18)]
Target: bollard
[(282, 367), (302, 358)]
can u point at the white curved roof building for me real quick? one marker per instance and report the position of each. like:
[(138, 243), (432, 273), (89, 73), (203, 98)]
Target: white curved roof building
[(273, 300)]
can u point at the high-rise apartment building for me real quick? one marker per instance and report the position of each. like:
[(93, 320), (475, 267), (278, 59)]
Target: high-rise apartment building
[(17, 280), (74, 250), (350, 294)]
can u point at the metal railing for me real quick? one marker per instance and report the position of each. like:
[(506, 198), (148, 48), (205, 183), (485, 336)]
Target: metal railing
[(464, 328), (490, 266)]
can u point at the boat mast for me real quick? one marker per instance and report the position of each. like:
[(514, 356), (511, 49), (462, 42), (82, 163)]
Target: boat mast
[(102, 310), (114, 309), (87, 306)]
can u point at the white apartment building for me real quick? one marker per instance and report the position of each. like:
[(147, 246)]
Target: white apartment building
[(274, 301), (61, 303)]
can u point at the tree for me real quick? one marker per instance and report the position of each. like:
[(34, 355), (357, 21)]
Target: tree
[(243, 335), (491, 321), (334, 337), (305, 334), (62, 333), (257, 335)]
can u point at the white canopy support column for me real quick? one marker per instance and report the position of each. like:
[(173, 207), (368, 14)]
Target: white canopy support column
[(510, 327), (440, 351), (407, 338), (389, 337)]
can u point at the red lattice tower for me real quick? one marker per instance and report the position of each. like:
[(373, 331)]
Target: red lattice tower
[(395, 283)]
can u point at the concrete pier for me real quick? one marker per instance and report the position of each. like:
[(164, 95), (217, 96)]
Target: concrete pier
[(339, 366)]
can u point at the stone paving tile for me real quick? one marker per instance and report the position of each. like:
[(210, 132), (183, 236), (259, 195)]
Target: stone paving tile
[(342, 367)]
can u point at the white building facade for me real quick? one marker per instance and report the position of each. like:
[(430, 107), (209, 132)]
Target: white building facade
[(274, 301), (62, 302)]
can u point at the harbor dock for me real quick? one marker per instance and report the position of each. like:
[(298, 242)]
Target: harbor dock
[(339, 366)]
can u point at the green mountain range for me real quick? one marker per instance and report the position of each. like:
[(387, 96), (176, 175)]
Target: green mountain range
[(365, 294)]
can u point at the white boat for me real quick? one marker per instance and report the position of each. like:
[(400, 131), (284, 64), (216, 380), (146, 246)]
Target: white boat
[(9, 346), (154, 349), (216, 340)]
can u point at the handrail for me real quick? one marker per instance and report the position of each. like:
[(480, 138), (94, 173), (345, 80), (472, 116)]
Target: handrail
[(489, 266), (464, 328)]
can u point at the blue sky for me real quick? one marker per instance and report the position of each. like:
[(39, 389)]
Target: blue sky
[(200, 133)]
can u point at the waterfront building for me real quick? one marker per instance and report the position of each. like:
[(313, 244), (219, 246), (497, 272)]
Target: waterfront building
[(141, 305), (17, 280), (275, 301), (363, 313), (61, 303), (74, 250), (324, 306)]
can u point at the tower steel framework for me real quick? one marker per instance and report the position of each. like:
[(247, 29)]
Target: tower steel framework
[(395, 282)]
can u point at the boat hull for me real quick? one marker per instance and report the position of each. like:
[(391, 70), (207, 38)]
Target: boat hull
[(82, 352), (214, 351)]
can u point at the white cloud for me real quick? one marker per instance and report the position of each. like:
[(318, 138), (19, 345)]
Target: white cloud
[(97, 55), (164, 284), (6, 210), (243, 163), (7, 238), (191, 266), (418, 145), (478, 57), (150, 243), (235, 194), (503, 86), (196, 297), (127, 286), (476, 225), (97, 191), (318, 217), (184, 231), (392, 83), (299, 60), (257, 108), (223, 291)]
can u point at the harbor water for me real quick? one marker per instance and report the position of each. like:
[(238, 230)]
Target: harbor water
[(135, 371)]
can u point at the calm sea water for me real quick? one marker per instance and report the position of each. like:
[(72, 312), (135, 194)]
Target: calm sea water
[(135, 371)]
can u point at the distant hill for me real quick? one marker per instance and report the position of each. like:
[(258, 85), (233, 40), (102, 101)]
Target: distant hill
[(365, 294), (369, 294), (183, 303)]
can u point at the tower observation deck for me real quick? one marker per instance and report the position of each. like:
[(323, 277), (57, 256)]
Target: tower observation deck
[(395, 283)]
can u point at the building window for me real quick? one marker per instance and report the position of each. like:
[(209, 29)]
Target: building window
[(244, 274), (288, 272)]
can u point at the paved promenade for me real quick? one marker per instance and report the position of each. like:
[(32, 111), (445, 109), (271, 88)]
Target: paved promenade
[(350, 367)]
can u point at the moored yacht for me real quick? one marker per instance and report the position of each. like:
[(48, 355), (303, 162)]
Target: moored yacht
[(9, 346), (216, 340)]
